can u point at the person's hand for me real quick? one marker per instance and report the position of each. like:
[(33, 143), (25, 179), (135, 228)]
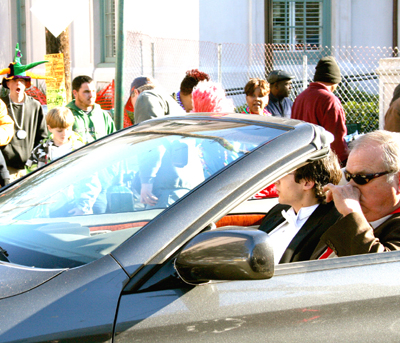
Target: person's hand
[(146, 194), (76, 212), (346, 198)]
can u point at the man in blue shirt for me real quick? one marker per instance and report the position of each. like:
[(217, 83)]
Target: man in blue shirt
[(279, 104)]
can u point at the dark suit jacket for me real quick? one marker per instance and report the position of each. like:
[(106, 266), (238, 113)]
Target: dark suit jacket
[(303, 244), (353, 235)]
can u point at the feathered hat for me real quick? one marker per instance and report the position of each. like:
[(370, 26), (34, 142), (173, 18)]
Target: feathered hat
[(19, 71)]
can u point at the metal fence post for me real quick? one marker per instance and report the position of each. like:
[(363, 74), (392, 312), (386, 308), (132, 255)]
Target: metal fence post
[(141, 58), (152, 61), (219, 63), (305, 60), (119, 76)]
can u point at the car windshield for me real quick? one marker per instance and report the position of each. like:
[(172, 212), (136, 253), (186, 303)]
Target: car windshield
[(84, 205)]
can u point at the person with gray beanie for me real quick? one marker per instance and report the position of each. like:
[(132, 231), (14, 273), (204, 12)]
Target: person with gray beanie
[(318, 105)]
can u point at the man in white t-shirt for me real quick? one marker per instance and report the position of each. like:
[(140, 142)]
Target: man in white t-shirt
[(296, 224)]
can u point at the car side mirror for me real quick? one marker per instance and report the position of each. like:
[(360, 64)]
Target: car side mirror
[(232, 253)]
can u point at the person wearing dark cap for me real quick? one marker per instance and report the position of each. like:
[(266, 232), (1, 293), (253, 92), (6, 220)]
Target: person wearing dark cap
[(279, 104), (318, 105), (154, 103), (27, 113)]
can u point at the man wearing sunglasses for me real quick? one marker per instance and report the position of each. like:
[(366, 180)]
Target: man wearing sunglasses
[(369, 202)]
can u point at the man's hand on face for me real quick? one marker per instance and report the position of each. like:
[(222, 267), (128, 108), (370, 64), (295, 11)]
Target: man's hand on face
[(346, 198)]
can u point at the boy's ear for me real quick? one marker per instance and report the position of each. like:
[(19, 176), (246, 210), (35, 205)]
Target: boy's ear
[(308, 184), (48, 127)]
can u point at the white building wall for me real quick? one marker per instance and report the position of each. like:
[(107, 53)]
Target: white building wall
[(6, 34), (81, 41), (362, 23), (35, 40), (341, 23), (372, 23), (232, 21), (166, 19)]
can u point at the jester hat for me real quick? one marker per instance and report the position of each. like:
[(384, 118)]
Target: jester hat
[(18, 71)]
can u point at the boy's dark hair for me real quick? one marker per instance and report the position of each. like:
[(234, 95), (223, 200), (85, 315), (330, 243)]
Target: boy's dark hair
[(323, 171), (79, 81), (192, 78)]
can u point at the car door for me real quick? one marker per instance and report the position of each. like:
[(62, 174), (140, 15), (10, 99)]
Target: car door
[(344, 299)]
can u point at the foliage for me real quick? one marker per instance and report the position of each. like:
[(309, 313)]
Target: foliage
[(361, 108), (364, 113), (241, 108)]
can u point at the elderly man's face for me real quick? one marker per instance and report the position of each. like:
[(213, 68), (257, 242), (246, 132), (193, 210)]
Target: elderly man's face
[(378, 197)]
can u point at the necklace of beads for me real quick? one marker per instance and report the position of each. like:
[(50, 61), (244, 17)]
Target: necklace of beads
[(21, 134), (178, 98)]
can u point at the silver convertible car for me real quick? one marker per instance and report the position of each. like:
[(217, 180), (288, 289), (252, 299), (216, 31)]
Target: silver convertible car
[(151, 235)]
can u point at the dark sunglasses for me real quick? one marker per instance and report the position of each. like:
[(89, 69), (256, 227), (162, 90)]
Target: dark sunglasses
[(362, 179)]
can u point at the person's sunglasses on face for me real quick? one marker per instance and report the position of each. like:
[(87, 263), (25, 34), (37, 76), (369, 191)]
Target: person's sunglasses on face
[(361, 179)]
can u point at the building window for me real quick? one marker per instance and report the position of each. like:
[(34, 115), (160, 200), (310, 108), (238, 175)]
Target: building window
[(109, 50), (302, 23)]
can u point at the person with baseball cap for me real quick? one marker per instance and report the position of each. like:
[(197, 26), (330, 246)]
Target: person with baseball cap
[(27, 113), (280, 105), (318, 105)]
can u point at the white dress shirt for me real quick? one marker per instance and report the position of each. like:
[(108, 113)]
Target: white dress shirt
[(283, 234)]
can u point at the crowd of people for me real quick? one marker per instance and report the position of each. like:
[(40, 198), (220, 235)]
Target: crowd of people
[(318, 216)]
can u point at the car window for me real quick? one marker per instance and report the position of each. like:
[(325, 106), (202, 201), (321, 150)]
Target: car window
[(84, 205)]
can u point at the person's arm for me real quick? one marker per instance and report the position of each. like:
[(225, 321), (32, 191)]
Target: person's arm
[(33, 161), (110, 125), (392, 117), (6, 125), (4, 173), (41, 130), (86, 192), (353, 235), (148, 172), (334, 121)]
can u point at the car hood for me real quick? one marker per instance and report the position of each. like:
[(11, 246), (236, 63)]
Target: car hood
[(18, 279)]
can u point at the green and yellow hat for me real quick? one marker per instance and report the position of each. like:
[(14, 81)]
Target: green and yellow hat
[(18, 71)]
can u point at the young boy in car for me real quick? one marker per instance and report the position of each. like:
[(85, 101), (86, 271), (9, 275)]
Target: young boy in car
[(61, 140), (296, 224)]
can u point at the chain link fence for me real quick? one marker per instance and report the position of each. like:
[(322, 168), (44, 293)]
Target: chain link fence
[(365, 90)]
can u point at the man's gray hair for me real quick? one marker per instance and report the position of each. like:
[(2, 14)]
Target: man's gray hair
[(390, 145)]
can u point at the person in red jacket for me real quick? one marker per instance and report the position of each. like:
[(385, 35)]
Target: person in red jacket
[(318, 105)]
